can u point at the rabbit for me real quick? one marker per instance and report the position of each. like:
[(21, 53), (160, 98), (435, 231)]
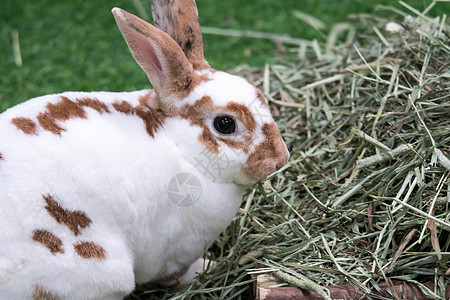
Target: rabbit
[(103, 190)]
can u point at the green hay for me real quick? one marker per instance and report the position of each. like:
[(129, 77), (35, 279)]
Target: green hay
[(366, 195)]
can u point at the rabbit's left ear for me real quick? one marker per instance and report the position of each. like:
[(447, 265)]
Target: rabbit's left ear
[(158, 55), (179, 18)]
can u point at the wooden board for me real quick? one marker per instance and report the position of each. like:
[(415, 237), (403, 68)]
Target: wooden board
[(266, 289)]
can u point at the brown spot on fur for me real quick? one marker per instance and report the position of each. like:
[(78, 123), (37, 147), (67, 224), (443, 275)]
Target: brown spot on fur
[(49, 240), (48, 123), (1, 156), (152, 118), (179, 77), (39, 293), (270, 155), (74, 220), (208, 139), (197, 112), (61, 111), (65, 109), (25, 124), (242, 145), (196, 115), (90, 250), (260, 97), (183, 28), (94, 104), (124, 107), (244, 114)]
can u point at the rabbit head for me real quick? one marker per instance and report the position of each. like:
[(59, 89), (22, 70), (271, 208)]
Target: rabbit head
[(220, 122)]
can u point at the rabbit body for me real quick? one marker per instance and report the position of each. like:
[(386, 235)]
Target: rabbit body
[(116, 175), (101, 190)]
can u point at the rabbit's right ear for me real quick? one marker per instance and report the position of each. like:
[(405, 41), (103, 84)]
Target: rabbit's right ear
[(158, 55), (179, 18)]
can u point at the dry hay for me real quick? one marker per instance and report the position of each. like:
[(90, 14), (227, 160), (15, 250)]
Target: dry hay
[(365, 198)]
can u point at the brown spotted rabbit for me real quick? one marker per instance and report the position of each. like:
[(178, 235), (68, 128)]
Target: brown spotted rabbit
[(102, 190)]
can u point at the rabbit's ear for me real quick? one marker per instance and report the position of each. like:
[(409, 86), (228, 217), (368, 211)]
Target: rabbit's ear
[(179, 18), (157, 53)]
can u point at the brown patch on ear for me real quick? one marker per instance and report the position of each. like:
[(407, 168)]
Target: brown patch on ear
[(90, 250), (270, 155), (25, 124), (74, 220), (158, 55), (94, 104), (39, 293), (152, 118), (180, 20), (49, 240)]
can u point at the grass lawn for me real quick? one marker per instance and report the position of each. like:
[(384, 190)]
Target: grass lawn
[(75, 45)]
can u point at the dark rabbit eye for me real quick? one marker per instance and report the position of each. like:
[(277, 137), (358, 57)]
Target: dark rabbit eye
[(225, 124)]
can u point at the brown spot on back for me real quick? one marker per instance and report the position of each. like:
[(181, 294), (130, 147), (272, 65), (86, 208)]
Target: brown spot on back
[(268, 156), (61, 111), (74, 220), (39, 293), (90, 250), (123, 107), (94, 104), (65, 109), (48, 123), (49, 240), (25, 124), (152, 118)]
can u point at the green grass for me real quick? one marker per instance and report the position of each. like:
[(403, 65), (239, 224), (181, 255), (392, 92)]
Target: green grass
[(75, 45)]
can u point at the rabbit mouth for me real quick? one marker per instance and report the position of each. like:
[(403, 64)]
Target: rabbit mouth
[(268, 157), (262, 169)]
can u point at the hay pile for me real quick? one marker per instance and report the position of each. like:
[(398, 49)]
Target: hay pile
[(366, 196)]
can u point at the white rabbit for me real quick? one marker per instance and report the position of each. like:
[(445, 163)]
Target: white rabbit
[(101, 190)]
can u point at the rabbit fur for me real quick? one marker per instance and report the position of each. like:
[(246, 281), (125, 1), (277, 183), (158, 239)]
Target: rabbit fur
[(86, 178)]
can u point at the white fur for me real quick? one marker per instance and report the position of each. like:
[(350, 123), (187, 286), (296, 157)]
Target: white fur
[(110, 168)]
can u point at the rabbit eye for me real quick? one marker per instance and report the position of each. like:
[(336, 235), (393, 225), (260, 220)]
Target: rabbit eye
[(225, 124)]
